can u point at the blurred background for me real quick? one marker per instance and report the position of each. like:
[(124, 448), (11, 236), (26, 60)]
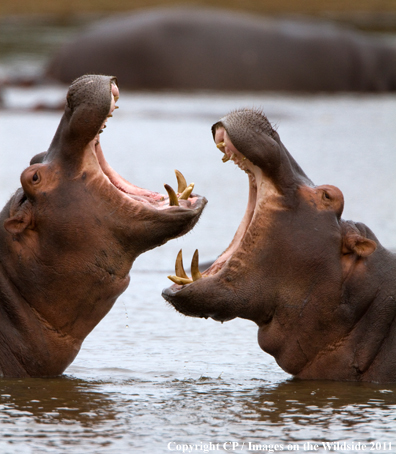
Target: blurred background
[(367, 14), (31, 30)]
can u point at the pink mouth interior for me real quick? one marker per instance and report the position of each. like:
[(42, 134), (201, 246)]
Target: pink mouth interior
[(262, 193), (254, 174), (122, 184)]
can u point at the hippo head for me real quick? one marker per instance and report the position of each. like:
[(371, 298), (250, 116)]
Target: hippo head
[(74, 180), (305, 276), (69, 236)]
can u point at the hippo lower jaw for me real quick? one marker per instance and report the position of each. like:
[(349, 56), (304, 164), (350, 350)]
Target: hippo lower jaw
[(263, 194)]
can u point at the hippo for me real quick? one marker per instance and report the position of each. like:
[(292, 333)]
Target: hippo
[(215, 49), (321, 289), (70, 234)]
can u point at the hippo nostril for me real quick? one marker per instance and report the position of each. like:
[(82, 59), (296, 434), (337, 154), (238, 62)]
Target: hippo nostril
[(326, 195)]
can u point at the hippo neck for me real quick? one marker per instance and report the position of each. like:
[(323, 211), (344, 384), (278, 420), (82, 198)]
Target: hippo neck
[(366, 351), (375, 351), (362, 355), (26, 335)]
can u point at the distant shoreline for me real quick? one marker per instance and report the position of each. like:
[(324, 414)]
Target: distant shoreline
[(364, 14)]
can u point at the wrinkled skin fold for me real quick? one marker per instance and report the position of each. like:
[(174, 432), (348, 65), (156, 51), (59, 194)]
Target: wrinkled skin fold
[(321, 289), (69, 237)]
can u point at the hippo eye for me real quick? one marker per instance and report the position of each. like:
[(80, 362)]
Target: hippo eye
[(35, 178)]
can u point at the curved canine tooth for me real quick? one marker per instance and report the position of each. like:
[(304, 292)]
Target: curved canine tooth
[(220, 145), (187, 192), (173, 200), (195, 273), (179, 268), (225, 158), (181, 182), (180, 280), (116, 107)]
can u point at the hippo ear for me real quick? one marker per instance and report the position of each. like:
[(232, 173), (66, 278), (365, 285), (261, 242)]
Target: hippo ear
[(360, 245), (38, 158), (19, 221)]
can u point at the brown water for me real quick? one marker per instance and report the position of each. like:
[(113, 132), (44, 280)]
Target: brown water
[(149, 380)]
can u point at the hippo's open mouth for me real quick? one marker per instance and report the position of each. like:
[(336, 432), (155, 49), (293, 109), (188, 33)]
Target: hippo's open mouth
[(261, 191), (182, 198)]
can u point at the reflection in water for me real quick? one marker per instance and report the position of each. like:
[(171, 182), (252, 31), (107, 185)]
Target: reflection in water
[(108, 416), (291, 411), (324, 404), (48, 413), (56, 400)]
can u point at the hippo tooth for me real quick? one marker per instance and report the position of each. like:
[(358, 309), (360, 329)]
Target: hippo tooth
[(173, 200), (181, 182), (225, 158), (195, 273), (179, 268), (181, 277), (116, 107), (109, 116), (187, 192), (220, 145), (180, 280)]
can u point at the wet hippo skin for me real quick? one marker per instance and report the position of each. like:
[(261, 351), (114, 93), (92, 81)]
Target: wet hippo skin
[(321, 289), (193, 48), (70, 234)]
